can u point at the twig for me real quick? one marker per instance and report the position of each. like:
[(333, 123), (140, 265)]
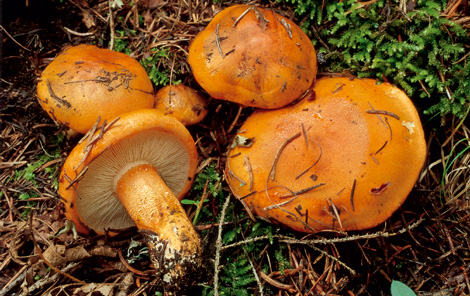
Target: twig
[(217, 41), (289, 240), (241, 16), (14, 40), (316, 161), (235, 120), (19, 276), (277, 284), (219, 247), (352, 271), (78, 33), (272, 173), (383, 112), (250, 170), (111, 25), (48, 280), (255, 273), (41, 255)]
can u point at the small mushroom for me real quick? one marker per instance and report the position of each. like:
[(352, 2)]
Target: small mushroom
[(85, 83), (182, 102), (254, 57), (342, 158), (133, 173)]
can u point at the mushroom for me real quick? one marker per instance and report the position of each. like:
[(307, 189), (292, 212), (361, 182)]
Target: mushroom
[(85, 83), (343, 158), (133, 172), (182, 102), (254, 57)]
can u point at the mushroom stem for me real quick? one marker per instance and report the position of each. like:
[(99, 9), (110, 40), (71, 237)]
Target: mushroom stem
[(174, 245)]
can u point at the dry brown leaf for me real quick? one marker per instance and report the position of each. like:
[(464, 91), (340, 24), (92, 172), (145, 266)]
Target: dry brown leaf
[(151, 4), (95, 290), (88, 19), (76, 253), (54, 254)]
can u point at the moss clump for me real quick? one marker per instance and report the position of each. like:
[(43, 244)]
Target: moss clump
[(413, 47)]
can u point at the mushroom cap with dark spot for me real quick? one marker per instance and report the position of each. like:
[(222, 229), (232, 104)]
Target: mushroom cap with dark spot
[(254, 57), (85, 83)]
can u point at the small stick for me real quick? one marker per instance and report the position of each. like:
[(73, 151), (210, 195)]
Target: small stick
[(352, 194), (304, 132), (335, 211), (316, 161), (55, 97), (302, 191), (235, 120), (78, 33), (276, 206), (287, 27), (248, 195), (217, 41), (248, 210), (277, 284), (250, 170), (76, 179), (278, 153), (219, 246), (241, 16), (41, 255), (311, 242), (381, 148), (255, 273), (14, 40), (111, 26), (383, 112)]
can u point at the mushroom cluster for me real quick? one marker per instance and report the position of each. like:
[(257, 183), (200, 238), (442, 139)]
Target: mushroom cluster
[(333, 154), (135, 163)]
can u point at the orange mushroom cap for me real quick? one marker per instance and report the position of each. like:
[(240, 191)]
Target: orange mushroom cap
[(254, 57), (85, 82), (181, 102), (133, 173), (344, 160)]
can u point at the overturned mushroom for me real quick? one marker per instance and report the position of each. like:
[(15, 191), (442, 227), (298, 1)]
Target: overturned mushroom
[(254, 57), (85, 83), (342, 158), (133, 172)]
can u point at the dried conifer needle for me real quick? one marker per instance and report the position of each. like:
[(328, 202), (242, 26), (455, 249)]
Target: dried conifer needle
[(241, 16), (217, 41), (352, 194), (316, 161), (278, 153), (383, 112), (304, 132), (250, 170), (336, 213), (381, 148), (287, 27), (303, 191)]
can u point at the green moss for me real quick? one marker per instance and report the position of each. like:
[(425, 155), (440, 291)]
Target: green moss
[(416, 49)]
